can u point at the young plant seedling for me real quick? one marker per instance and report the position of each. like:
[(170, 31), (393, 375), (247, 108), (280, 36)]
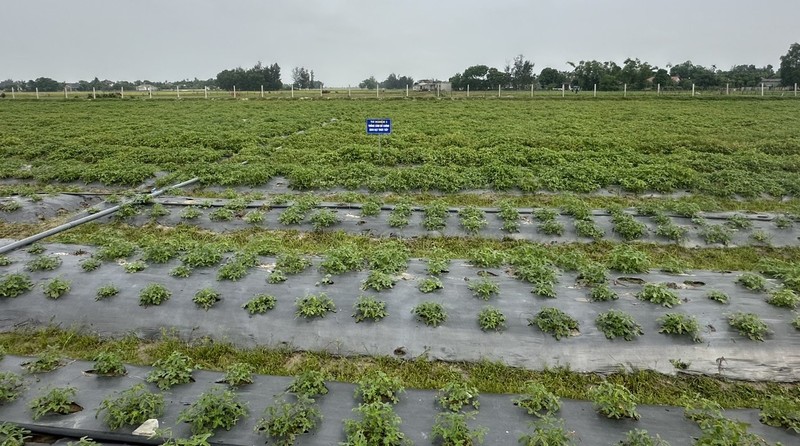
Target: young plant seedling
[(369, 308), (716, 234), (491, 318), (640, 437), (13, 435), (135, 266), (43, 263), (215, 409), (58, 400), (451, 429), (13, 285), (615, 323), (752, 282), (190, 213), (484, 288), (292, 263), (370, 208), (206, 298), (379, 387), (784, 298), (314, 305), (658, 294), (222, 214), (627, 259), (614, 401), (310, 383), (284, 422), (379, 425), (56, 287), (547, 431), (181, 271), (457, 394), (131, 407), (438, 263), (324, 218), (680, 324), (750, 325), (90, 264), (431, 313), (276, 276), (36, 249), (718, 296), (592, 274), (5, 261), (430, 284), (171, 371), (389, 258), (537, 400), (472, 219), (10, 387), (109, 364), (602, 293), (378, 281), (781, 411), (254, 217), (154, 294), (554, 321), (239, 374), (587, 228), (260, 304), (106, 291), (47, 361)]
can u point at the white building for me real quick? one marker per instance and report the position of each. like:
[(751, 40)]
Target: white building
[(432, 85)]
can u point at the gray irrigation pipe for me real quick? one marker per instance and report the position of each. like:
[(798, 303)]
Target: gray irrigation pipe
[(26, 241)]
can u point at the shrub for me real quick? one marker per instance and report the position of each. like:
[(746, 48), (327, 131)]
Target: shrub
[(452, 430), (310, 383), (484, 288), (239, 374), (472, 219), (537, 400), (680, 324), (554, 321), (369, 308), (170, 371), (292, 263), (602, 293), (217, 408), (587, 228), (132, 407), (206, 298), (379, 425), (284, 422), (378, 281), (342, 259), (314, 305), (491, 318), (154, 294), (13, 285), (547, 432), (260, 304), (784, 298), (752, 282), (430, 284), (10, 387), (324, 218), (614, 401), (615, 323), (658, 294), (58, 400), (718, 296), (781, 411), (43, 263), (109, 364), (378, 387), (750, 325), (627, 259), (431, 313), (90, 264)]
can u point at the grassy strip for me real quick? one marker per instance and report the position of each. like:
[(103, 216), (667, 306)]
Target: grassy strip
[(715, 259), (649, 387)]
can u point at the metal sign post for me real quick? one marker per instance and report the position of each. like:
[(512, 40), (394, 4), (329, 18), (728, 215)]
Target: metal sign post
[(379, 127)]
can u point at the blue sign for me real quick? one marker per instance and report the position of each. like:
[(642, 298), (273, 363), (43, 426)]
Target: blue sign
[(379, 126)]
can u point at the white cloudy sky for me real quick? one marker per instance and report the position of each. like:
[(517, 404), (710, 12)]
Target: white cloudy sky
[(345, 41)]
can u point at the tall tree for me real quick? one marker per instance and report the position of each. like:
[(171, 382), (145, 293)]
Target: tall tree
[(790, 66), (521, 73), (301, 77), (550, 78), (369, 83)]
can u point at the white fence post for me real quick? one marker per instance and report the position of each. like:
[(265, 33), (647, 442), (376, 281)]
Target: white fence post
[(467, 90), (37, 92), (595, 90), (498, 90), (692, 90), (531, 90), (406, 90), (349, 94), (94, 93), (149, 92), (178, 91), (320, 90), (205, 91), (727, 89), (762, 89), (122, 92), (659, 89), (625, 90), (795, 89), (234, 92), (13, 96), (65, 92), (378, 91), (262, 92), (292, 90), (563, 89)]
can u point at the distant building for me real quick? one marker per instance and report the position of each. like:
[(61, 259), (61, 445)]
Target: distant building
[(770, 83), (74, 86), (146, 87), (432, 85)]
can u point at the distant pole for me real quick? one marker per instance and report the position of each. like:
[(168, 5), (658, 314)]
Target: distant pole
[(531, 90), (692, 90), (349, 95), (13, 96), (205, 91), (65, 92), (122, 92), (406, 90), (234, 92), (563, 89), (795, 89), (467, 90), (438, 89), (659, 89), (178, 91), (625, 87), (150, 92), (262, 92), (320, 89), (727, 89), (498, 90), (762, 89), (94, 93), (378, 91), (292, 90), (595, 90), (37, 92)]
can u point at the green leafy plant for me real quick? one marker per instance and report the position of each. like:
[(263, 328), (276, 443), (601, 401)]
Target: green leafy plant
[(537, 400), (221, 214), (58, 400), (716, 234), (487, 258), (190, 213), (510, 216), (640, 437), (592, 273), (170, 371), (13, 285), (451, 429), (239, 374), (472, 219), (214, 409), (718, 296), (43, 263), (484, 288), (627, 259), (658, 294), (672, 232), (438, 263), (547, 432), (551, 227), (750, 325), (13, 435), (674, 266), (232, 270), (796, 322), (5, 261), (752, 282), (36, 249), (370, 208), (715, 428), (627, 227), (491, 318), (457, 394), (342, 259), (314, 305), (158, 252), (202, 255), (206, 298), (544, 288), (109, 364), (10, 206), (56, 287), (739, 221), (614, 401), (10, 386), (377, 386), (680, 324), (587, 228), (116, 249), (158, 210), (260, 304), (781, 411), (310, 383), (431, 313), (154, 294), (379, 425), (254, 217), (47, 361), (90, 264), (389, 258), (369, 308), (135, 266), (106, 291), (292, 263), (435, 216), (284, 422), (181, 271), (430, 284), (784, 298), (276, 276), (378, 281), (615, 323), (602, 293), (324, 218), (131, 407), (783, 222), (554, 321), (761, 236)]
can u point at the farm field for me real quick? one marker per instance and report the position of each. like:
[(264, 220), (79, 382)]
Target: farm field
[(572, 245)]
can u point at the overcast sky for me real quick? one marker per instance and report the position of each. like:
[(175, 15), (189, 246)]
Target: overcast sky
[(346, 41)]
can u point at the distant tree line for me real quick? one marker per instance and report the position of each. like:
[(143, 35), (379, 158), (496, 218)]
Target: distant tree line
[(393, 82)]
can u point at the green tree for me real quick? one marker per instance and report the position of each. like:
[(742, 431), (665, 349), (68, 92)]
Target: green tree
[(369, 83), (790, 66), (520, 73), (393, 82), (551, 78), (45, 84)]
